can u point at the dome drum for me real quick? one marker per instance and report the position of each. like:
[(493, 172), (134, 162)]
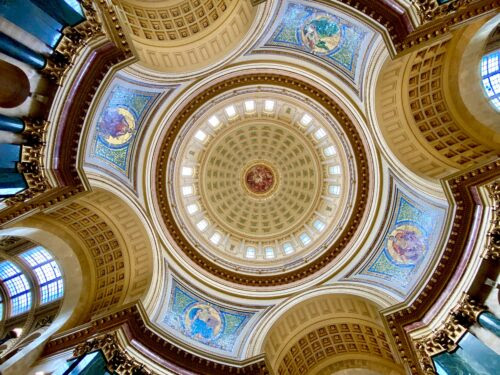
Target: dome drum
[(301, 155)]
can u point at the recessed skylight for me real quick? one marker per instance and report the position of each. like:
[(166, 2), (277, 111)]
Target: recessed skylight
[(250, 253), (202, 225), (214, 121), (269, 252), (200, 135), (334, 169), (187, 190), (329, 151), (319, 225), (230, 111), (249, 105), (334, 189), (304, 238), (216, 237), (288, 248), (306, 119), (269, 105), (192, 208), (320, 133), (187, 171)]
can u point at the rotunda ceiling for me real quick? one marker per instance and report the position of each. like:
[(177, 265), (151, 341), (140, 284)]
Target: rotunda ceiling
[(263, 183), (186, 35)]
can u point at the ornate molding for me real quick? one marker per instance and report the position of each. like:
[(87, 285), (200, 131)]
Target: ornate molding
[(437, 20), (446, 338), (429, 10), (77, 103), (31, 163), (118, 360), (164, 353), (73, 40), (492, 250), (463, 188), (362, 181)]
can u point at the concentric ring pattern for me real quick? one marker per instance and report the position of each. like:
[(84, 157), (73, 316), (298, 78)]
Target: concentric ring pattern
[(299, 199)]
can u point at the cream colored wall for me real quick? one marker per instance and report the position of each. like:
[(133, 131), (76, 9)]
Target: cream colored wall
[(422, 115)]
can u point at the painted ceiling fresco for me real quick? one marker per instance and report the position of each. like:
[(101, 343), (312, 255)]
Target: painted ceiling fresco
[(408, 243), (204, 322), (117, 125), (327, 36)]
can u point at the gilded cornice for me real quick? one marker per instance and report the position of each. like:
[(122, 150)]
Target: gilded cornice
[(90, 70), (131, 323), (360, 160), (463, 189)]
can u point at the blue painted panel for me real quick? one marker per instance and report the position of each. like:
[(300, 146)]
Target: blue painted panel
[(208, 323), (407, 243), (324, 35), (118, 124)]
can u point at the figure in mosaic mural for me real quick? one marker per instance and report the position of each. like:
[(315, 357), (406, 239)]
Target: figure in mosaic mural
[(406, 244), (259, 179), (203, 322), (321, 33), (116, 126)]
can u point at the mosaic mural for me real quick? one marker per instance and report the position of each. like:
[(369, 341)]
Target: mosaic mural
[(205, 322), (407, 244), (324, 35), (118, 124)]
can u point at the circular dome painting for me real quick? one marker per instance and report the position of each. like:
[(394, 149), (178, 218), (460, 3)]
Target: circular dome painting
[(202, 322), (406, 244), (321, 33), (260, 179), (116, 126)]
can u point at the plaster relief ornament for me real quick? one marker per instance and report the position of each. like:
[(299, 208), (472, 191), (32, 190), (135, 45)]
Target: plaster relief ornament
[(406, 244), (321, 33), (116, 126)]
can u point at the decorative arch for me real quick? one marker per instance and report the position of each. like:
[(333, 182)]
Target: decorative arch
[(326, 328), (429, 130)]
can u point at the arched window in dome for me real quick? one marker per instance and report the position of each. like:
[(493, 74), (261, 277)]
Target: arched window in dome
[(17, 287), (47, 273), (490, 75)]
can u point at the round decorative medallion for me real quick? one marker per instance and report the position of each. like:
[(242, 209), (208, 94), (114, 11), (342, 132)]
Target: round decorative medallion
[(260, 179), (116, 127), (202, 322)]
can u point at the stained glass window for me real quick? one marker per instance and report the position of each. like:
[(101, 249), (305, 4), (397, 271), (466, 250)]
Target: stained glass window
[(490, 75), (47, 273), (17, 286)]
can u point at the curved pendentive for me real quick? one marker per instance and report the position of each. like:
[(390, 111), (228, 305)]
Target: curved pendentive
[(189, 35), (331, 332), (429, 129)]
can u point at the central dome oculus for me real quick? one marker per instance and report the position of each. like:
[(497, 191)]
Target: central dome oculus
[(260, 179)]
